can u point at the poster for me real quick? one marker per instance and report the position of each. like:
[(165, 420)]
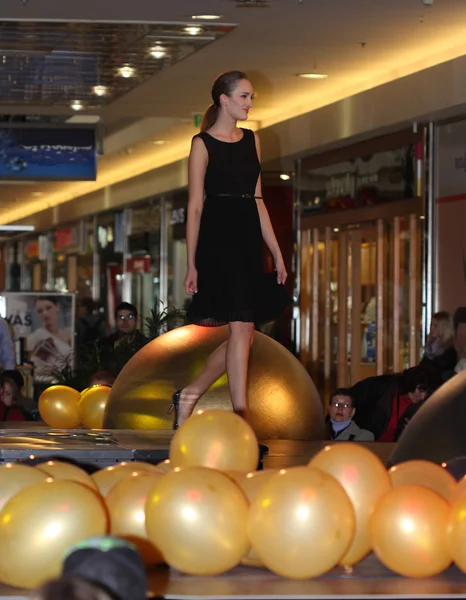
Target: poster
[(45, 321)]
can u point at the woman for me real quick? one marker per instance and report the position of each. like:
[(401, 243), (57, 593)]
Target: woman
[(440, 353), (227, 221), (49, 345), (11, 401)]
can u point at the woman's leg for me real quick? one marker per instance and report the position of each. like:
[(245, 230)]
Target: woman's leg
[(215, 367), (237, 362)]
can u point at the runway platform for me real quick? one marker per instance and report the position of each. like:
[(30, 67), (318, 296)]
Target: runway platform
[(98, 449)]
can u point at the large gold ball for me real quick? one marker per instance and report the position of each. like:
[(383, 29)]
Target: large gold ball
[(283, 401)]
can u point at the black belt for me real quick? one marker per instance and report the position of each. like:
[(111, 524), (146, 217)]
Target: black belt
[(251, 196)]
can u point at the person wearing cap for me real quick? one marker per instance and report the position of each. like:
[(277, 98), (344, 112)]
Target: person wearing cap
[(101, 568)]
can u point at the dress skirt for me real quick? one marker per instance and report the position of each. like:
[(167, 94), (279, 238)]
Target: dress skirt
[(232, 285)]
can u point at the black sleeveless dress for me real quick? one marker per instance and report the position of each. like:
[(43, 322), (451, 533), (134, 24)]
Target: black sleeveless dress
[(232, 285)]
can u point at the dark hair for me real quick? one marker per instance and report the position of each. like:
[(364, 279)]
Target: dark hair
[(17, 399), (52, 299), (13, 375), (224, 84), (126, 306), (343, 392), (87, 303), (418, 377), (72, 588)]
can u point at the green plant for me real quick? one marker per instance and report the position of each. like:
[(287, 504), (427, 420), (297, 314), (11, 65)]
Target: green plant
[(164, 320)]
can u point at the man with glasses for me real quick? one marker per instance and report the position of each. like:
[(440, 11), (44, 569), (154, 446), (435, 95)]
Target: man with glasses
[(341, 411), (127, 332)]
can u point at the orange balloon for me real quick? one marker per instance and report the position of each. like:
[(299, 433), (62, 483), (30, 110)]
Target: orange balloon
[(424, 472), (456, 532), (62, 470), (409, 531), (459, 490), (92, 406), (58, 407), (365, 480), (251, 484), (126, 503), (40, 524), (15, 477), (217, 439), (197, 518), (106, 478), (301, 523)]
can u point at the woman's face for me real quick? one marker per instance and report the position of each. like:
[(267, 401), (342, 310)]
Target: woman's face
[(239, 103), (47, 312), (7, 394)]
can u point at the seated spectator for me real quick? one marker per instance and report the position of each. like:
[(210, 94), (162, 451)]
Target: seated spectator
[(11, 397), (413, 388), (440, 352), (341, 411), (127, 332)]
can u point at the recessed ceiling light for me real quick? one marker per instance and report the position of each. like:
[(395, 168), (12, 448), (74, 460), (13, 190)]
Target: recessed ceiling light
[(126, 71), (207, 17), (77, 105), (158, 52), (159, 142), (313, 75), (193, 30), (37, 194), (100, 90), (285, 176)]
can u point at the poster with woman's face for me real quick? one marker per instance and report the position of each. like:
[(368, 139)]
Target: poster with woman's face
[(46, 323)]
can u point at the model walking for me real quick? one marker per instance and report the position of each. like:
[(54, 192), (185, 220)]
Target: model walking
[(227, 221)]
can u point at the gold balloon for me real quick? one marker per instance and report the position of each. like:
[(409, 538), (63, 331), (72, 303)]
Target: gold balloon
[(409, 531), (301, 523), (365, 480), (217, 439), (40, 524), (126, 503), (251, 484), (197, 518), (456, 532), (92, 406), (106, 478), (283, 401), (164, 466), (15, 477), (424, 472), (58, 407), (459, 490), (62, 470)]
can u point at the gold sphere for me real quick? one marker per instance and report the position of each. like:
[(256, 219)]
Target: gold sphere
[(283, 401)]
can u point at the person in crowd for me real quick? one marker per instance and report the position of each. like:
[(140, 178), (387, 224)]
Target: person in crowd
[(7, 350), (127, 332), (11, 397), (102, 568), (49, 346), (341, 411), (90, 323), (414, 388), (440, 352)]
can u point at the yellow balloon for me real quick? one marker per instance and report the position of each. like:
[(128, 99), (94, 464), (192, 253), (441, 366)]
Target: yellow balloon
[(301, 523), (236, 476), (251, 484), (92, 406), (15, 477), (365, 480), (456, 532), (459, 490), (40, 524), (84, 391), (197, 518), (424, 472), (126, 503), (58, 407), (409, 531), (164, 466), (106, 478), (217, 439), (62, 470)]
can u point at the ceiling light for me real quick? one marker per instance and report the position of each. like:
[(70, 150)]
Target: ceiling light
[(193, 30), (77, 105), (285, 176), (158, 52), (159, 142), (100, 90), (126, 71), (313, 75), (37, 194), (207, 17)]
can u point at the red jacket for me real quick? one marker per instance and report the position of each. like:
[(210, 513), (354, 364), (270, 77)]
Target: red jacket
[(10, 413)]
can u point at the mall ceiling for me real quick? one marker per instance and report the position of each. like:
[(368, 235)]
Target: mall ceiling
[(357, 45)]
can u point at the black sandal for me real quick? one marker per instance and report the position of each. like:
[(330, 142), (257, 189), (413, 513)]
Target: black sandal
[(175, 406)]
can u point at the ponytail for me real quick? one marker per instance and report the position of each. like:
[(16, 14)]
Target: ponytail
[(209, 118)]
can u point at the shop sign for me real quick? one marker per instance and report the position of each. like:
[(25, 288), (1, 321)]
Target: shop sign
[(140, 264), (64, 238), (32, 249)]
